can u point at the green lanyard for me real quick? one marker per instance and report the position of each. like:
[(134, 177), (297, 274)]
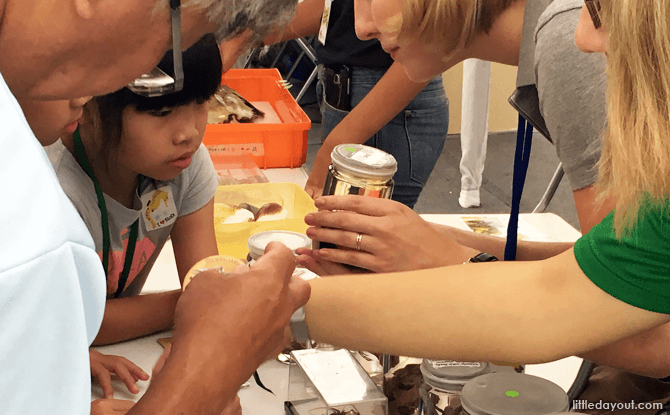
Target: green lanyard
[(83, 162), (132, 239)]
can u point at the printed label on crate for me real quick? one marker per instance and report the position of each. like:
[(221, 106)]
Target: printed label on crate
[(255, 149)]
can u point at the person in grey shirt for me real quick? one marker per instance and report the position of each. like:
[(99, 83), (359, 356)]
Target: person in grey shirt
[(561, 91)]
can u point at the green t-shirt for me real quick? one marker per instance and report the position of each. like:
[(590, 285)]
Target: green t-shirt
[(635, 268)]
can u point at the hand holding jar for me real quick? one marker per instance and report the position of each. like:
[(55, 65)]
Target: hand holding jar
[(229, 324), (382, 236)]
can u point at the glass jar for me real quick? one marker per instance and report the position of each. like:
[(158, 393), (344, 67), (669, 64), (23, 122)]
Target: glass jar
[(506, 393), (258, 242), (221, 263), (357, 169), (442, 382)]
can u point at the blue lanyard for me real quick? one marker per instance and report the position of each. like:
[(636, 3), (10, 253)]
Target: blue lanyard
[(132, 238), (524, 139)]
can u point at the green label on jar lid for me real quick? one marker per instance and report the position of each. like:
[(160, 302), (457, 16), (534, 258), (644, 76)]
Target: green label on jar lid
[(351, 149), (512, 394)]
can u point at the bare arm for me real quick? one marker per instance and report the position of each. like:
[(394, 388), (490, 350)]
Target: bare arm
[(193, 238), (128, 318), (526, 250), (306, 22), (534, 311), (588, 212), (132, 317), (386, 99), (645, 353)]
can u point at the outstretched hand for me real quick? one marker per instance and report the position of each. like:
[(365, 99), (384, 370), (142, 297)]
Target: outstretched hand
[(392, 236), (322, 267), (226, 325)]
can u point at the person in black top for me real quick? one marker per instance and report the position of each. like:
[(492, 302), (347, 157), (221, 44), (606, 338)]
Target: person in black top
[(383, 108)]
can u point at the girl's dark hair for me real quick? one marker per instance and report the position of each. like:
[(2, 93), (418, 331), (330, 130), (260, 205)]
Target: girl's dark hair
[(202, 77)]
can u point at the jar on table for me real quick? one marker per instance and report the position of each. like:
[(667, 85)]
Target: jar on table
[(443, 381), (506, 393), (258, 242)]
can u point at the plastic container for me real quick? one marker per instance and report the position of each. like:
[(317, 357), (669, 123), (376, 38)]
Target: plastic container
[(507, 393), (443, 381), (240, 169), (258, 242), (232, 239), (280, 144), (328, 382)]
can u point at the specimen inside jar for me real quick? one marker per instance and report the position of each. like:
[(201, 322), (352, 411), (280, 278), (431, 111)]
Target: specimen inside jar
[(401, 387)]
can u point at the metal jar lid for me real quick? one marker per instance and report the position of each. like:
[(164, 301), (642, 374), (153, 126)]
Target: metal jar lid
[(364, 161), (293, 240), (505, 393), (449, 375)]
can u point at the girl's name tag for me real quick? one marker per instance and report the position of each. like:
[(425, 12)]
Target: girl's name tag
[(159, 208)]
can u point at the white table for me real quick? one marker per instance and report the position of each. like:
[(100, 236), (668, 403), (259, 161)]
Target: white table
[(145, 351), (554, 229)]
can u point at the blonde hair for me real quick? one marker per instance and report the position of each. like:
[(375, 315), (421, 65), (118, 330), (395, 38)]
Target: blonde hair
[(635, 161), (450, 23)]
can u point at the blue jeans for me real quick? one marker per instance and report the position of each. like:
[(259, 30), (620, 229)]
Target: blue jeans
[(415, 136)]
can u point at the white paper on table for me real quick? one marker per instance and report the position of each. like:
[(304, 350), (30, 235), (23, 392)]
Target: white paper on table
[(335, 376), (497, 226)]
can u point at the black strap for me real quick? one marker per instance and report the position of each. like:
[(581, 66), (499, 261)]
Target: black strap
[(132, 238), (128, 262), (524, 139)]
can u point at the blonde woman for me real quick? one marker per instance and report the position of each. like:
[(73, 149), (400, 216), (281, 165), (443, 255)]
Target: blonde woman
[(613, 284)]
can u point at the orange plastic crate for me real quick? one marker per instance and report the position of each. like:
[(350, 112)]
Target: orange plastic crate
[(281, 144)]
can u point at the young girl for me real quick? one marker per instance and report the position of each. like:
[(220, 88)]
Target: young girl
[(137, 173)]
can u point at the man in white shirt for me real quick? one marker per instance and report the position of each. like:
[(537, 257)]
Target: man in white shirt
[(51, 281)]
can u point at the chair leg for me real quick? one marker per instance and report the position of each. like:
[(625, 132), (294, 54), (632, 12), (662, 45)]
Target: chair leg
[(281, 51), (581, 381), (551, 190), (304, 88), (309, 51), (252, 54)]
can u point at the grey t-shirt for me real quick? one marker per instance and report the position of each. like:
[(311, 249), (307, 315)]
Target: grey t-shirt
[(157, 206), (570, 85)]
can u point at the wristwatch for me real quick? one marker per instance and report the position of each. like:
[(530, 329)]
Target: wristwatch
[(299, 326), (482, 257)]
